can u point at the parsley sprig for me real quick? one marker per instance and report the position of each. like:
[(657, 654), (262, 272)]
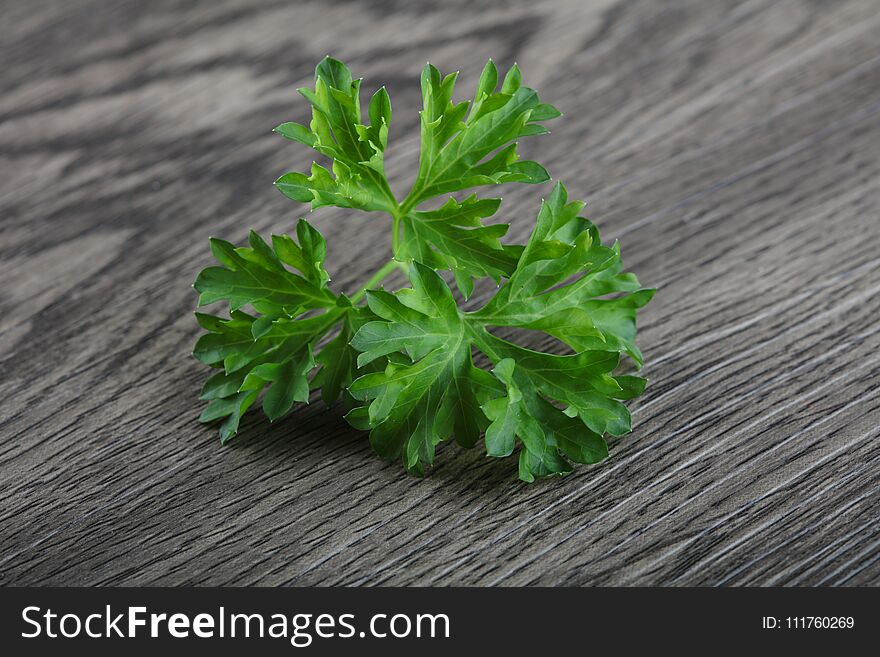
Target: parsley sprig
[(404, 361)]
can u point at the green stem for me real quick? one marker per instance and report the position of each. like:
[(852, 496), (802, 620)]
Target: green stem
[(395, 234), (381, 274), (409, 202)]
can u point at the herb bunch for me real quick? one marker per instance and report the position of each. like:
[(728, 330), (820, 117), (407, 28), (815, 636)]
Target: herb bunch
[(403, 360)]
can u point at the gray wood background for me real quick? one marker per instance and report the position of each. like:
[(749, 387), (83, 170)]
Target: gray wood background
[(732, 147)]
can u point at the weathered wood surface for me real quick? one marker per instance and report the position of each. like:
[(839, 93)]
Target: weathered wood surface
[(733, 147)]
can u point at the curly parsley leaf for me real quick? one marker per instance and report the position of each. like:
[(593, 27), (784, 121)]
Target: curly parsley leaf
[(461, 149), (463, 145), (563, 281), (416, 404), (356, 149), (557, 406), (405, 361), (273, 350), (453, 237)]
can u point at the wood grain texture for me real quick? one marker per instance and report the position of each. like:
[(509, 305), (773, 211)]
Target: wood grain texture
[(734, 148)]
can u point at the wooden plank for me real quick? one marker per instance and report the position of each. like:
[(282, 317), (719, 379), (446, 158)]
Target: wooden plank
[(732, 147)]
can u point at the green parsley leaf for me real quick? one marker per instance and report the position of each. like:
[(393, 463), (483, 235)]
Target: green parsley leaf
[(403, 361), (356, 150), (453, 237), (558, 406), (542, 295), (271, 351), (457, 152), (463, 145)]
